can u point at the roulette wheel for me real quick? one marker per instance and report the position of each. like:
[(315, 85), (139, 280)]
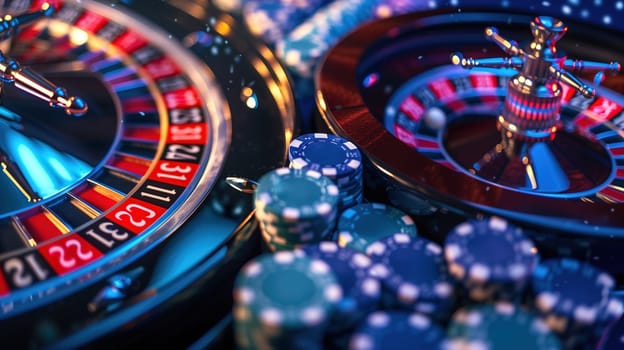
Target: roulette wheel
[(441, 140), (116, 222)]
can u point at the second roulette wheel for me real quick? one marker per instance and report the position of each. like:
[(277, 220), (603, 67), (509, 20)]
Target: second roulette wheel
[(446, 142)]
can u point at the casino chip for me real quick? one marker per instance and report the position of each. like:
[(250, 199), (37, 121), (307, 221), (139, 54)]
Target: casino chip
[(283, 301), (414, 275), (334, 157), (397, 330), (361, 291), (575, 297), (365, 223), (492, 258), (498, 326), (295, 207), (273, 19), (304, 46)]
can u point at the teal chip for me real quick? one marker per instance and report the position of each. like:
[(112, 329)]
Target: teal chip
[(365, 223), (284, 292), (293, 194), (500, 326)]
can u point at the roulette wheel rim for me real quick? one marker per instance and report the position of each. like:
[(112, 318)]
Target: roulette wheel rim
[(157, 289), (403, 175)]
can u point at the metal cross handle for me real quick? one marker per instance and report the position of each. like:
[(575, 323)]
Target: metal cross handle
[(533, 97), (546, 32), (29, 81)]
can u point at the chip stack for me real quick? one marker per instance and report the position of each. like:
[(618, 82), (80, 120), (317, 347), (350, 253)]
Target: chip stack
[(499, 326), (365, 223), (283, 301), (334, 157), (397, 330), (361, 290), (414, 275), (272, 20), (575, 299), (491, 258), (302, 49), (295, 207)]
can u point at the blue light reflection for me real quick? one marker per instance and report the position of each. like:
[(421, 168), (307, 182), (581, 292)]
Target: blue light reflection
[(34, 167)]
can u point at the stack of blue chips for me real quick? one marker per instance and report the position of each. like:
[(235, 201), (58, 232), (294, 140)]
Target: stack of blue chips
[(295, 207), (361, 290), (334, 157), (494, 261), (414, 275), (272, 20), (284, 301), (575, 299), (302, 49), (491, 258), (397, 330)]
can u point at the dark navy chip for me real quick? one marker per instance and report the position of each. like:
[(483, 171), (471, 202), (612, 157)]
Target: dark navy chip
[(414, 274), (397, 330), (575, 293), (334, 157), (491, 257), (361, 290), (331, 155)]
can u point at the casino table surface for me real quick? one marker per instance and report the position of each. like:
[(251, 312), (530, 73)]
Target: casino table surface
[(146, 147)]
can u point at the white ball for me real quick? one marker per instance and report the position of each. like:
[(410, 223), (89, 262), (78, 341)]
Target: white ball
[(435, 118)]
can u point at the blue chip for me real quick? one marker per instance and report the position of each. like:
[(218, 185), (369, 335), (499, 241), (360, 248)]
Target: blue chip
[(574, 292), (334, 157), (414, 273), (302, 48), (491, 257), (361, 291), (397, 330), (331, 155), (273, 19)]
